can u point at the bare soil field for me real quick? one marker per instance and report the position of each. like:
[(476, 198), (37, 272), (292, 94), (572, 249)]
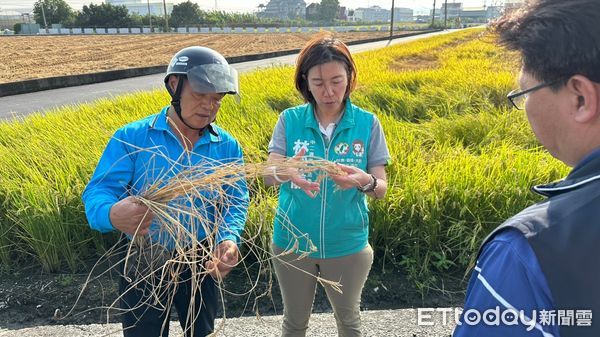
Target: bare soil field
[(33, 57)]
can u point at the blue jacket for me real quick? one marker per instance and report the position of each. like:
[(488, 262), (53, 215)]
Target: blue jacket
[(545, 258), (508, 275), (336, 222), (146, 152)]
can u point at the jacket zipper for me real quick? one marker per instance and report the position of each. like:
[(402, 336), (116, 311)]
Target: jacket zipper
[(324, 199)]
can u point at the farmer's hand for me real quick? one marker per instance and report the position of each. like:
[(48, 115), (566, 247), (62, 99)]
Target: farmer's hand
[(224, 258), (293, 174), (355, 177), (129, 214)]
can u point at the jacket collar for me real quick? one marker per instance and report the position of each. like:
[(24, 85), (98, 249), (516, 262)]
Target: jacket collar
[(161, 123), (347, 121), (587, 171)]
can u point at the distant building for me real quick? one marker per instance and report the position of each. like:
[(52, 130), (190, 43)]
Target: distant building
[(343, 13), (285, 9), (403, 15), (474, 14), (372, 14), (141, 6), (494, 12), (454, 10), (513, 5), (469, 14), (8, 19), (311, 10)]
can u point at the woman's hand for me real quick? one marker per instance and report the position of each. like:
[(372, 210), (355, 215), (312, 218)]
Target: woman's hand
[(292, 174), (355, 177)]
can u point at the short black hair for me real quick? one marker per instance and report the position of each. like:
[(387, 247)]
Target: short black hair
[(556, 38)]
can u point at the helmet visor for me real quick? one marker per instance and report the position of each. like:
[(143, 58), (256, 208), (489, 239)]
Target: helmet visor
[(213, 78)]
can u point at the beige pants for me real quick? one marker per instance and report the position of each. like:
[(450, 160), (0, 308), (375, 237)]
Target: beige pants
[(298, 289)]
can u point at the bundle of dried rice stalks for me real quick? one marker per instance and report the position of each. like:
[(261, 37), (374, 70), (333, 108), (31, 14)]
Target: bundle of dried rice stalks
[(194, 178), (178, 202)]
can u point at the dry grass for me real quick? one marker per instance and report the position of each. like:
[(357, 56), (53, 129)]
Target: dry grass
[(415, 63), (33, 57)]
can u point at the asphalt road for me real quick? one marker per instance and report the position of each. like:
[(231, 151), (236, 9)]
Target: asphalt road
[(22, 105), (382, 323)]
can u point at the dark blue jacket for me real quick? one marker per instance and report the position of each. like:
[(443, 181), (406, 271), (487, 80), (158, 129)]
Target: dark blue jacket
[(563, 233)]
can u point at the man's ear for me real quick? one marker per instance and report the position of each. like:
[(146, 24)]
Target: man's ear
[(172, 82), (584, 96)]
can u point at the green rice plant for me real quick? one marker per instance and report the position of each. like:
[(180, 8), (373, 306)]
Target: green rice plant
[(445, 200), (479, 129), (44, 165)]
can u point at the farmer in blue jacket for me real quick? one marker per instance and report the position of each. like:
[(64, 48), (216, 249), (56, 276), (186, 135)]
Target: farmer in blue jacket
[(538, 274), (155, 149)]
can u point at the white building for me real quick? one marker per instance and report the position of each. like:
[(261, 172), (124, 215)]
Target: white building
[(403, 14), (141, 6), (285, 9), (372, 14)]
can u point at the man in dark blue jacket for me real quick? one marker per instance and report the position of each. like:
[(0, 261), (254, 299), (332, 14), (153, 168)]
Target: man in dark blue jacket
[(538, 274)]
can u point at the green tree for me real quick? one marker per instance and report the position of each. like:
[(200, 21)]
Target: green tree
[(17, 27), (137, 20), (185, 14), (56, 11), (328, 10), (314, 16), (104, 15)]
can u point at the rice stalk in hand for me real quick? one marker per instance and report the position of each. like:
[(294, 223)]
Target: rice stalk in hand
[(178, 201)]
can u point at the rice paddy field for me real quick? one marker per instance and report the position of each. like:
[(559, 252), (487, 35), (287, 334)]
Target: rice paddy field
[(463, 159), (33, 57)]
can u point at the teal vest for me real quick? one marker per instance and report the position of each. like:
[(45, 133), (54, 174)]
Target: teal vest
[(336, 222)]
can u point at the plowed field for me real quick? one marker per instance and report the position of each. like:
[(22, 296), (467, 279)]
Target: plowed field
[(33, 57)]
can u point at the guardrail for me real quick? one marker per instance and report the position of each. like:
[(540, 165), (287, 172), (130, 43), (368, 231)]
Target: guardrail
[(222, 30)]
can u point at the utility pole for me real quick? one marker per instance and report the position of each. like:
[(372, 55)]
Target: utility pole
[(445, 14), (166, 17), (392, 21), (149, 16), (433, 15), (44, 16)]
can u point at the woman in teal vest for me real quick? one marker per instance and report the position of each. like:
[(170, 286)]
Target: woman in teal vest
[(321, 227)]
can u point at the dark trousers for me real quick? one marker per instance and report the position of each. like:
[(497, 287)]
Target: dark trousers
[(146, 311)]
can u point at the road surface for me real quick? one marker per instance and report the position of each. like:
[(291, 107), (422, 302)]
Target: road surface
[(378, 323)]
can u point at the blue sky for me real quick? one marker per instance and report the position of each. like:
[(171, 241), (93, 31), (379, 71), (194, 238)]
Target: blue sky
[(251, 5)]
